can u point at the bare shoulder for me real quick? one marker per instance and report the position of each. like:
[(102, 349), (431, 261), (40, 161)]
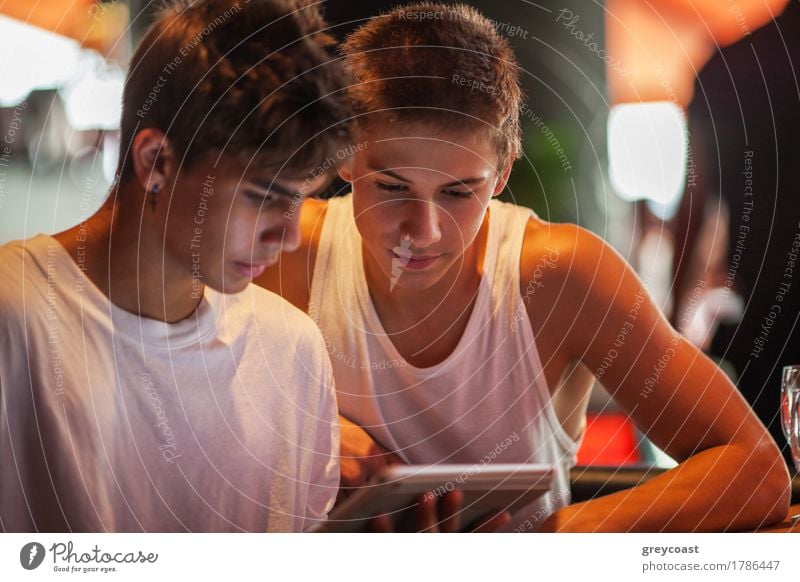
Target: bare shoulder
[(551, 252), (590, 290), (291, 276), (548, 255), (312, 216), (572, 261), (574, 281), (12, 259)]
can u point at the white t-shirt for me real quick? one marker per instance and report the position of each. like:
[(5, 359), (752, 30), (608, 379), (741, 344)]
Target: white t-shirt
[(225, 421)]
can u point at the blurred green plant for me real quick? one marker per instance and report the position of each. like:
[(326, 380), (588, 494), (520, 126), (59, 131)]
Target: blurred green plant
[(543, 178)]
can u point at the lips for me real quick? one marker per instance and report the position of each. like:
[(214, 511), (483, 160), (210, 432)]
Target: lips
[(253, 270), (414, 262)]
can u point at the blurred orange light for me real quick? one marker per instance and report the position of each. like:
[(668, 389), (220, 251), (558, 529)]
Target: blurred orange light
[(93, 24), (662, 44)]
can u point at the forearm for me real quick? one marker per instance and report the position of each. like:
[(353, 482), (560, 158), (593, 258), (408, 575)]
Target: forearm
[(725, 488)]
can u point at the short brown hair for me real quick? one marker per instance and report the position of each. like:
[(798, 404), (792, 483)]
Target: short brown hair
[(250, 78), (438, 63)]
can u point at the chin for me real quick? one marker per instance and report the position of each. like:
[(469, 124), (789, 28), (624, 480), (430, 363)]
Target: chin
[(237, 287), (415, 286), (230, 285), (409, 281)]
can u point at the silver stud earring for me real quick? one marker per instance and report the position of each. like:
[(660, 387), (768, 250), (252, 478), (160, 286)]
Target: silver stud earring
[(152, 193)]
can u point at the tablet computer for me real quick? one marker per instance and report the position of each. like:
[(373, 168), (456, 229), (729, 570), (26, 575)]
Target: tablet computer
[(396, 490)]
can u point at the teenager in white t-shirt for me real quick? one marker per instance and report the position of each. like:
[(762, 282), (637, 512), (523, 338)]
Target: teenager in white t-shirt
[(146, 384), (466, 330)]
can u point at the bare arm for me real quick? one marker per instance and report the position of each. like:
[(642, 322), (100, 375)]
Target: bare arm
[(731, 474), (291, 276), (361, 455)]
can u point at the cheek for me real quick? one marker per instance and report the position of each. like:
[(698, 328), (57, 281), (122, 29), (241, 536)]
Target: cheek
[(475, 222), (365, 201), (462, 223), (372, 216), (368, 226), (243, 223)]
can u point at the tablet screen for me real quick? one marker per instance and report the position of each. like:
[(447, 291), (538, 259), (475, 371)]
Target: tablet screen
[(487, 489)]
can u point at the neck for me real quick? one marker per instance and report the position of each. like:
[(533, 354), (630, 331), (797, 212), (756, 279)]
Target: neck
[(126, 260)]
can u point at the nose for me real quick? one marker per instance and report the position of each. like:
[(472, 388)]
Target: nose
[(286, 233), (422, 223)]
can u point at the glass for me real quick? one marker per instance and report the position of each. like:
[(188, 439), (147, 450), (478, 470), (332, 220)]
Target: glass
[(790, 416), (790, 411)]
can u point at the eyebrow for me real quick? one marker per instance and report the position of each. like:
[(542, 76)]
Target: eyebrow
[(464, 182), (270, 186)]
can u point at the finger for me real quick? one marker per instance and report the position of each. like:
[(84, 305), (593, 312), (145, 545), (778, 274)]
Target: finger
[(491, 522), (380, 524), (449, 511), (392, 459), (357, 471), (342, 494), (351, 472), (425, 514)]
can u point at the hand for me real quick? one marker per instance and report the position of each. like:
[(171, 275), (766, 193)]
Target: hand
[(553, 524), (442, 515), (431, 515), (361, 457)]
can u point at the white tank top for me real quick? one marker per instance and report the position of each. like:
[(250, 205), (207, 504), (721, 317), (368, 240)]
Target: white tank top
[(487, 402)]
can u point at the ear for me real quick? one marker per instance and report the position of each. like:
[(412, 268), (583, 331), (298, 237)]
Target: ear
[(153, 158), (503, 179), (345, 169)]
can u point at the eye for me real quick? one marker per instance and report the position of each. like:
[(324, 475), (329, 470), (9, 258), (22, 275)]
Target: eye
[(458, 193), (260, 197), (391, 187)]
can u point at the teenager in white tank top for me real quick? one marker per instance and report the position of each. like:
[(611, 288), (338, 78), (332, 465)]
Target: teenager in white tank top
[(452, 320), (487, 402)]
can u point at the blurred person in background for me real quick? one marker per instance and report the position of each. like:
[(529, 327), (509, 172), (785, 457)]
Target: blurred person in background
[(737, 260)]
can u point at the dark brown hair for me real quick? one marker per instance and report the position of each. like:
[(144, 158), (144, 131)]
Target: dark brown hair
[(250, 77), (440, 64)]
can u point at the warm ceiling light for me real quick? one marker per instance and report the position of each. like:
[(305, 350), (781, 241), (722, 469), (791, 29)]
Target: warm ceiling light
[(647, 145), (34, 58)]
